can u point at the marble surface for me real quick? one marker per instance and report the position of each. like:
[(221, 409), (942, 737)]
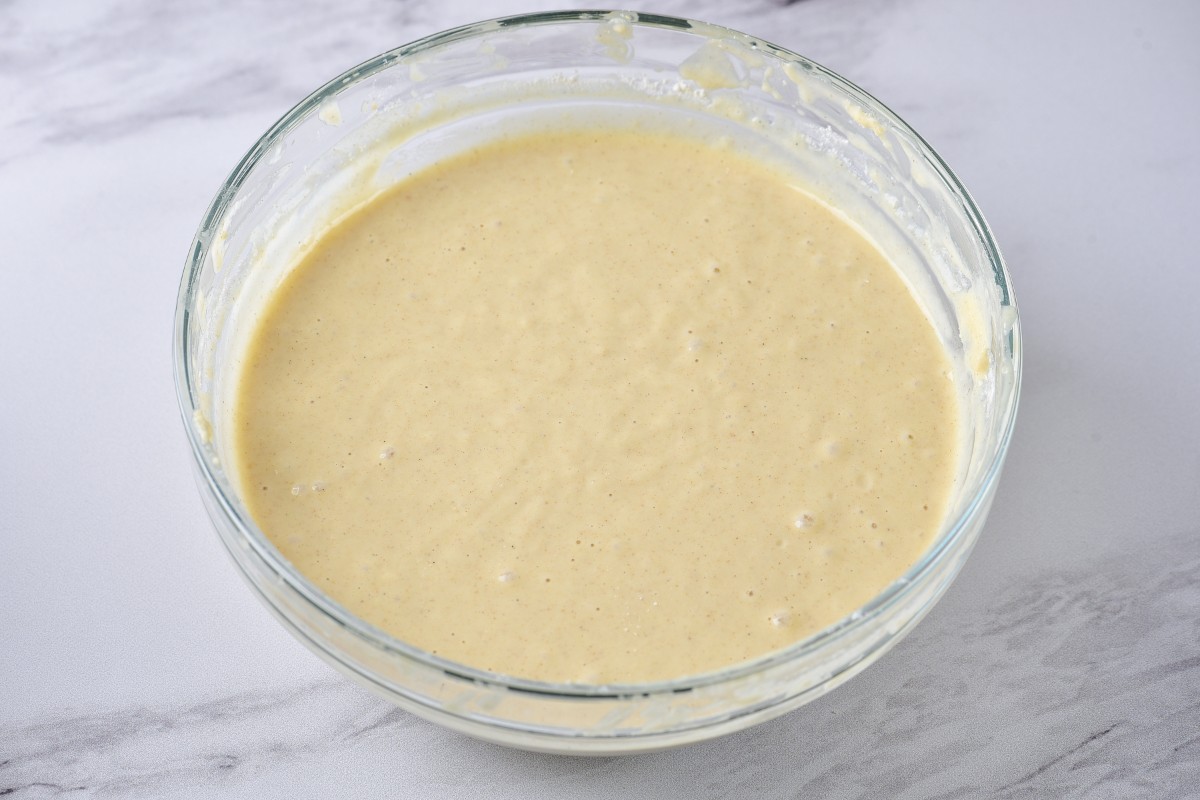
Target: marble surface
[(1065, 662)]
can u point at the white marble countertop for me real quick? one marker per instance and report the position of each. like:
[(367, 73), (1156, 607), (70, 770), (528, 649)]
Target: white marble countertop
[(1065, 662)]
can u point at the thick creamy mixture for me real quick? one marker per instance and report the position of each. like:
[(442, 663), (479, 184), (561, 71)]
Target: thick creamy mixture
[(598, 406)]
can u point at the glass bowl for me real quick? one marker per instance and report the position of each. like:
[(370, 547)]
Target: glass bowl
[(406, 108)]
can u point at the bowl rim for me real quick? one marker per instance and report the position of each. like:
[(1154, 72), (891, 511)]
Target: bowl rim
[(226, 497)]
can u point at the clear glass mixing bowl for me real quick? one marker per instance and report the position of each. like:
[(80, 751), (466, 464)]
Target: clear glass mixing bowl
[(386, 118)]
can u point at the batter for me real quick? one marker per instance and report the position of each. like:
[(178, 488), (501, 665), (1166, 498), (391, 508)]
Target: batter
[(597, 406)]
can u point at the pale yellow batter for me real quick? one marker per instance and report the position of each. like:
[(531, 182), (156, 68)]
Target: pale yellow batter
[(597, 406)]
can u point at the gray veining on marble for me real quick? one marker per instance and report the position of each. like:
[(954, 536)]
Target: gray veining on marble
[(1065, 662)]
